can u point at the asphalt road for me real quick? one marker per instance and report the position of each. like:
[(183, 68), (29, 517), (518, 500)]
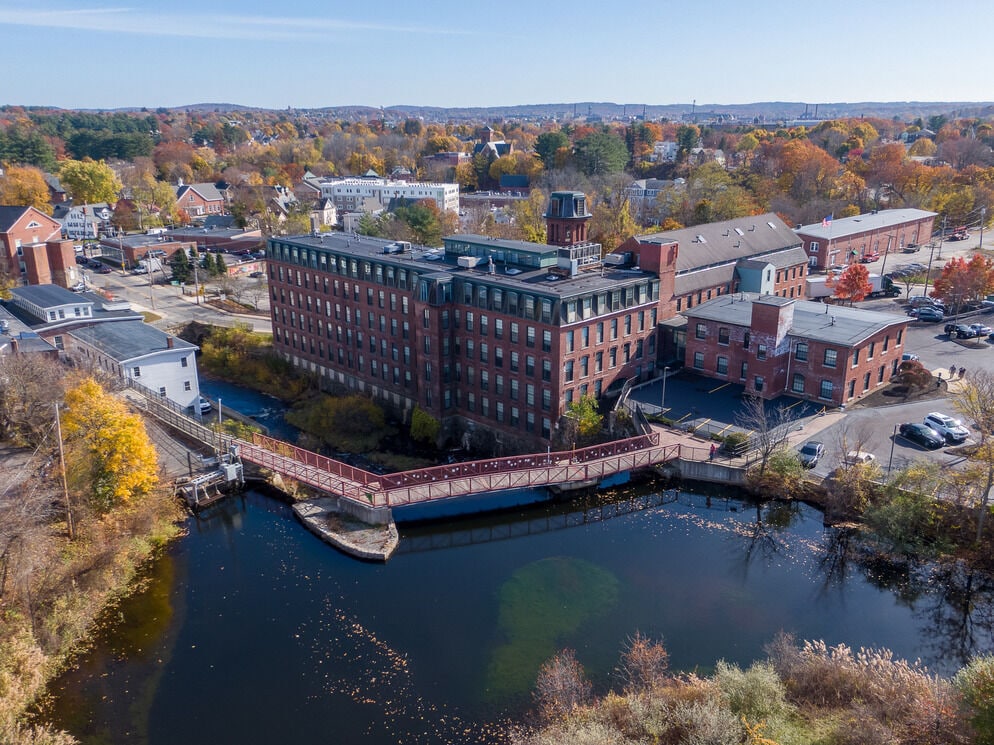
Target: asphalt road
[(176, 309)]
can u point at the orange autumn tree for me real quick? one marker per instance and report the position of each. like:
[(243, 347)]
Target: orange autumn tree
[(853, 284), (964, 281), (110, 459)]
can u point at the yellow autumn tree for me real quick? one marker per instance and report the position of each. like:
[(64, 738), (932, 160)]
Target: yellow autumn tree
[(25, 186), (110, 459)]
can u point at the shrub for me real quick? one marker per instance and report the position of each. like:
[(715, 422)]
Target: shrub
[(892, 691), (975, 683), (643, 664), (354, 423), (562, 686), (706, 723), (756, 693), (424, 427), (736, 442)]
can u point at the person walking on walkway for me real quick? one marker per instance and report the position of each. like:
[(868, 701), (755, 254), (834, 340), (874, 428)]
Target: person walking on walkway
[(713, 449), (962, 372)]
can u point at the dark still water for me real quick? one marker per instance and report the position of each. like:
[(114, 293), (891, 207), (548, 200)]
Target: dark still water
[(253, 631)]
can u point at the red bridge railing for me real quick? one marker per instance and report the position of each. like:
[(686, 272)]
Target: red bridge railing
[(455, 479)]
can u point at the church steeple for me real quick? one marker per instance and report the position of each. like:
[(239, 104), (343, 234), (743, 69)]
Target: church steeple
[(566, 218)]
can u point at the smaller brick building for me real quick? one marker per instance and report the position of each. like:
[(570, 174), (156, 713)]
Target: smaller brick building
[(849, 239), (775, 345)]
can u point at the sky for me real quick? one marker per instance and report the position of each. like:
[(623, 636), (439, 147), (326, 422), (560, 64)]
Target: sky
[(100, 54)]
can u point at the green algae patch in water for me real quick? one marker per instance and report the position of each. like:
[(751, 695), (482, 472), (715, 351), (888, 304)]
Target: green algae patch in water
[(540, 605)]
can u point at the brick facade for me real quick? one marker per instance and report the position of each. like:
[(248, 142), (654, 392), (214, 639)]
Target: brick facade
[(32, 250), (775, 346), (847, 240)]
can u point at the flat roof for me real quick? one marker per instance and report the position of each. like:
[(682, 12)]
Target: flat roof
[(433, 260), (833, 324), (880, 220), (46, 296), (127, 341)]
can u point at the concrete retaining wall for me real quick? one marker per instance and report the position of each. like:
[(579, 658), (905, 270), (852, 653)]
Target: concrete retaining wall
[(711, 471)]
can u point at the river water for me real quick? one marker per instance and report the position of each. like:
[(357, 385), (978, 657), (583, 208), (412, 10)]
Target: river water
[(251, 630)]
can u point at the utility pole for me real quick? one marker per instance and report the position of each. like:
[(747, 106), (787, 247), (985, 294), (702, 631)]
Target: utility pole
[(983, 216), (928, 271), (148, 268), (196, 281)]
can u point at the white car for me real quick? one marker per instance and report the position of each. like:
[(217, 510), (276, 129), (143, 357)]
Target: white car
[(204, 405), (859, 458), (952, 429)]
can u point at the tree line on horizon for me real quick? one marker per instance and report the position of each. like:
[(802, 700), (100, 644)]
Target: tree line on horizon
[(841, 167)]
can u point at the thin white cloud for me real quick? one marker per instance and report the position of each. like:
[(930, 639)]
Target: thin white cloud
[(136, 21)]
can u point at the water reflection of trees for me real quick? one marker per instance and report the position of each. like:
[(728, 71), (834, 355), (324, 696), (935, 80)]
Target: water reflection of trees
[(953, 599), (765, 537), (960, 611)]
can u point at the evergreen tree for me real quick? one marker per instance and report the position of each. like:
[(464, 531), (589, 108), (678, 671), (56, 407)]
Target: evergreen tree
[(180, 265), (220, 268)]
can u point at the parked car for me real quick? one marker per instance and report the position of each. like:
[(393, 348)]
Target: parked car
[(811, 453), (919, 301), (203, 405), (929, 313), (256, 275), (859, 458), (78, 287), (962, 331), (869, 257), (952, 429), (980, 329), (909, 357), (922, 434), (959, 235), (103, 269)]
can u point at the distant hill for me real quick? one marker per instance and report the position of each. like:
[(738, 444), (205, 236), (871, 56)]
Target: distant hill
[(758, 112)]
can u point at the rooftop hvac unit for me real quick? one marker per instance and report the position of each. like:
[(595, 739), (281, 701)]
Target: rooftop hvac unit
[(467, 262)]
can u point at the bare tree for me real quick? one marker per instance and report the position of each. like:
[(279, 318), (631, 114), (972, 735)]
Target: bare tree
[(561, 686), (29, 386), (975, 401), (256, 291), (852, 485), (768, 426), (644, 664)]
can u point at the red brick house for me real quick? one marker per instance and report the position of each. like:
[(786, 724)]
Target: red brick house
[(774, 345), (199, 200), (849, 239), (32, 250)]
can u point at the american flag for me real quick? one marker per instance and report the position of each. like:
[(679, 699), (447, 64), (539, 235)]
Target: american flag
[(826, 222)]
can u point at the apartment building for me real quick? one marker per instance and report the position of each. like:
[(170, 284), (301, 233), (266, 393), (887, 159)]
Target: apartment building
[(483, 334), (353, 194)]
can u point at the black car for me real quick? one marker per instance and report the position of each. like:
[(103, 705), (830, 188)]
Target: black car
[(811, 453), (928, 313), (922, 434), (962, 331)]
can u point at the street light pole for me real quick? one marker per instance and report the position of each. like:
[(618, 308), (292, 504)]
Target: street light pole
[(662, 399), (892, 441), (928, 271), (983, 216)]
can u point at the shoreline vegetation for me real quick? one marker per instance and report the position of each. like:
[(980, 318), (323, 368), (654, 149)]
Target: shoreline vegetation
[(802, 693), (72, 541), (66, 556)]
